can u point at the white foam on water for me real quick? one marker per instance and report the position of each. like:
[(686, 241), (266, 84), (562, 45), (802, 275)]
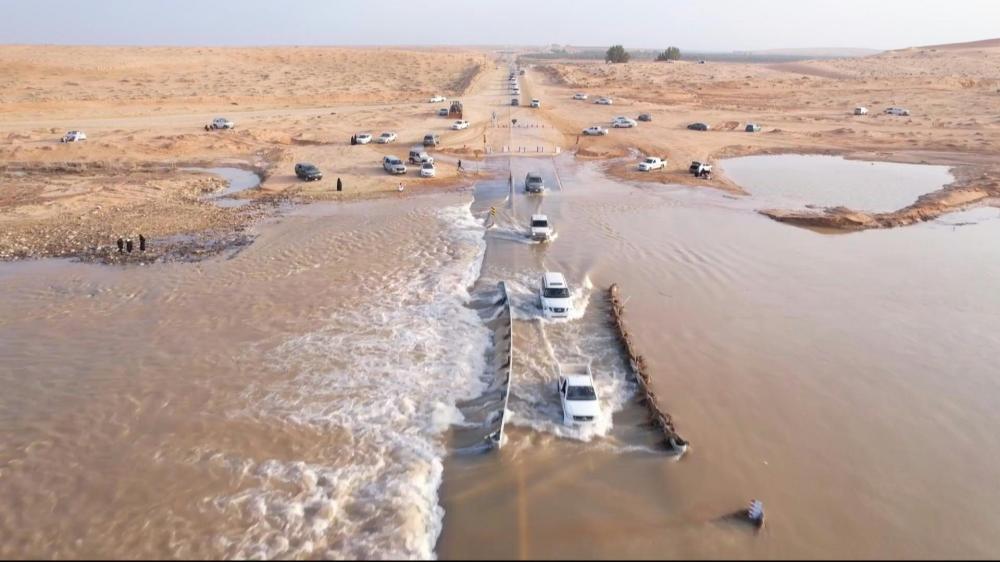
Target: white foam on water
[(383, 376)]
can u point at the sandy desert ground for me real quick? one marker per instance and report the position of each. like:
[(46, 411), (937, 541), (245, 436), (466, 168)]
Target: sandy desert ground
[(952, 91), (144, 110)]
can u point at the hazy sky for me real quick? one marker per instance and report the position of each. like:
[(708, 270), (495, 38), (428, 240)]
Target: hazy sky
[(691, 24)]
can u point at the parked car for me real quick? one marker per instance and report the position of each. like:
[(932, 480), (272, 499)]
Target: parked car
[(419, 155), (861, 110), (308, 172), (554, 296), (578, 395), (698, 126), (604, 101), (459, 125), (536, 103), (427, 170), (897, 111), (221, 123), (386, 138), (752, 128), (700, 168), (438, 99), (515, 102), (533, 183), (431, 139), (541, 229), (74, 136), (363, 138), (651, 163), (623, 122), (443, 112), (595, 131), (393, 165), (580, 96), (645, 117)]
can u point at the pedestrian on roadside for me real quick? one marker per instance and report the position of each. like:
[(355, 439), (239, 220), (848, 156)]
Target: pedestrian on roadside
[(142, 243), (459, 164), (121, 245), (400, 187), (128, 245), (340, 185)]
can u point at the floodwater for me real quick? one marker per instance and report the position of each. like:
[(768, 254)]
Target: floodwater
[(791, 181), (314, 395), (238, 179)]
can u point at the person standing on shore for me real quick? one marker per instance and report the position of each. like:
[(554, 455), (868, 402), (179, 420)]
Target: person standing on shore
[(459, 165), (142, 243), (128, 245), (121, 245)]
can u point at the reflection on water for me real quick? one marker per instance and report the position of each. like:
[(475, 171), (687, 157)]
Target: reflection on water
[(795, 180), (238, 179)]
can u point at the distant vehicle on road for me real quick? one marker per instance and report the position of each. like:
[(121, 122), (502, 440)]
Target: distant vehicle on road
[(595, 131), (625, 122), (431, 139), (578, 395), (533, 183), (363, 138), (541, 229), (536, 103), (897, 111), (554, 296), (459, 125), (861, 110), (419, 155), (307, 172), (645, 117), (220, 123), (604, 101), (752, 128), (386, 138), (74, 136), (438, 99), (393, 165), (443, 112), (427, 170), (651, 163), (580, 96), (698, 126)]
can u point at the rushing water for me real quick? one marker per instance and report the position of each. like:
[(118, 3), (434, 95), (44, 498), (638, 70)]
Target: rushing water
[(308, 397), (238, 180), (796, 180)]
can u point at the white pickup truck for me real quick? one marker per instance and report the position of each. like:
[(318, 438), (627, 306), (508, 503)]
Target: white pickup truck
[(220, 123), (652, 163)]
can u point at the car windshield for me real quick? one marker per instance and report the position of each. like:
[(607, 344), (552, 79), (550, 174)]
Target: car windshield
[(580, 393), (540, 223), (650, 161), (556, 293), (427, 166), (534, 179)]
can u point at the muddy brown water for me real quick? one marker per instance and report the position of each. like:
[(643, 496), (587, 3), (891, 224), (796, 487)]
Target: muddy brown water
[(308, 396)]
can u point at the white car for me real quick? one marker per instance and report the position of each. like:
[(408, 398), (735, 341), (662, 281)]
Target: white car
[(580, 96), (222, 123), (652, 163), (580, 403), (536, 103), (438, 99), (554, 296), (861, 110), (604, 101), (595, 131), (897, 111), (363, 138), (459, 125), (541, 229), (427, 170), (623, 122), (386, 138), (74, 136)]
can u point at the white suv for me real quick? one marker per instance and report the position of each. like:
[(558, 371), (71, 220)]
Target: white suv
[(897, 111), (74, 136), (651, 163), (604, 101), (363, 138), (623, 122), (580, 403), (580, 96), (541, 229), (554, 296)]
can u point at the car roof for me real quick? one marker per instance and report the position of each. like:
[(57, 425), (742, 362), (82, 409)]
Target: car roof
[(554, 279), (579, 380), (539, 217)]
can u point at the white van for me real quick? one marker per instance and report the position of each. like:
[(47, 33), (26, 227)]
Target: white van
[(554, 296)]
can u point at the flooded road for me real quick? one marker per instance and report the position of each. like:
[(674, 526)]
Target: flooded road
[(303, 398)]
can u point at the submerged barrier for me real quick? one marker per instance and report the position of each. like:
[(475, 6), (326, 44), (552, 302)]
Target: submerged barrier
[(503, 363), (672, 441)]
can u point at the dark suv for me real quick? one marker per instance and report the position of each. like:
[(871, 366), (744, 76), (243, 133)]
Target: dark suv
[(308, 172), (533, 183)]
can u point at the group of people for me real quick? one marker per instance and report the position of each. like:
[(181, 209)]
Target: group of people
[(125, 244)]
